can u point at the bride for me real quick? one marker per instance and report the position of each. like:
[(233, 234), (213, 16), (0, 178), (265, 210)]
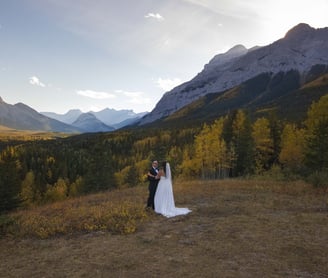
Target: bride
[(164, 200)]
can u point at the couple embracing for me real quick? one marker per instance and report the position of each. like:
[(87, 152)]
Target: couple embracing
[(161, 197)]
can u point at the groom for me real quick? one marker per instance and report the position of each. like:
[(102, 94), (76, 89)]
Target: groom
[(153, 179)]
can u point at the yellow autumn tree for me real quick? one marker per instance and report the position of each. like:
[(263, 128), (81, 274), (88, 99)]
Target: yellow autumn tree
[(75, 188), (189, 167), (202, 151), (29, 193), (221, 156), (316, 156), (292, 148), (58, 191), (211, 154), (317, 113)]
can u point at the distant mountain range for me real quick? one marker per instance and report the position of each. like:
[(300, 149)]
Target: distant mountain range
[(104, 120), (290, 60), (23, 117), (110, 117)]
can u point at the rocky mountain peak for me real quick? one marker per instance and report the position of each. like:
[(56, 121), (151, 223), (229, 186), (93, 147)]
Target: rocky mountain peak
[(84, 117), (300, 30), (220, 59), (239, 48), (89, 122)]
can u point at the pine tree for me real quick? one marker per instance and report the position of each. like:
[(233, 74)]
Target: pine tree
[(9, 181), (263, 144), (243, 145), (275, 131)]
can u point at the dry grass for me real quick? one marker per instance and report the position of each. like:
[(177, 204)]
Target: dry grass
[(9, 134), (116, 212), (236, 229)]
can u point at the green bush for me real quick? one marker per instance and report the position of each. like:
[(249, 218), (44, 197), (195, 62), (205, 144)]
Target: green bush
[(319, 179), (6, 224)]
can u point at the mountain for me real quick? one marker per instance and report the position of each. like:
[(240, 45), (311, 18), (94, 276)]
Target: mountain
[(281, 94), (110, 117), (87, 122), (23, 117), (130, 121), (302, 48), (67, 118)]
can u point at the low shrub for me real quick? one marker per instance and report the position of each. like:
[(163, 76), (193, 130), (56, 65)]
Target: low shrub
[(319, 179), (6, 224), (82, 215)]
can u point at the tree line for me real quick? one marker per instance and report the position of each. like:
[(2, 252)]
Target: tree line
[(37, 172)]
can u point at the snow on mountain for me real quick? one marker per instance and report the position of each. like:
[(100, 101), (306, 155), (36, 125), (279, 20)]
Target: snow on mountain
[(300, 49)]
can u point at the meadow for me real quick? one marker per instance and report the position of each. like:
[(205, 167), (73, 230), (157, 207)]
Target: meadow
[(237, 228), (9, 134)]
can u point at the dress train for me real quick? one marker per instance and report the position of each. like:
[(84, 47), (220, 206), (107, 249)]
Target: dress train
[(164, 199)]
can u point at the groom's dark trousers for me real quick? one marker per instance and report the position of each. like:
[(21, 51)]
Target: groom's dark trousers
[(152, 188)]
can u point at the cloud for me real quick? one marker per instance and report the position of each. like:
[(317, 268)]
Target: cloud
[(135, 97), (156, 16), (119, 98), (36, 81), (95, 94), (168, 84)]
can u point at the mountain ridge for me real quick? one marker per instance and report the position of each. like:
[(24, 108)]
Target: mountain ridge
[(108, 116), (22, 117), (302, 47), (281, 94)]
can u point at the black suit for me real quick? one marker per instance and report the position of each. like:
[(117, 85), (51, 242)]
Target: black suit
[(152, 187)]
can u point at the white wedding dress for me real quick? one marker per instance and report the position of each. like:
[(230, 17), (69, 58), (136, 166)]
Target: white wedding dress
[(164, 200)]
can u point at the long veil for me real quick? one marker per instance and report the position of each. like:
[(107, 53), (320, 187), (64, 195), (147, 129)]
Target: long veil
[(168, 171), (164, 198)]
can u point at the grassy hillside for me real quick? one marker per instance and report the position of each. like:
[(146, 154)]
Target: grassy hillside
[(294, 105), (237, 228)]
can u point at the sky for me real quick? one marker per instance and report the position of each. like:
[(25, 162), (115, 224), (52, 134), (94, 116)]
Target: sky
[(57, 55)]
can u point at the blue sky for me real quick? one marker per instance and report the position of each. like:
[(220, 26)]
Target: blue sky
[(57, 55)]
